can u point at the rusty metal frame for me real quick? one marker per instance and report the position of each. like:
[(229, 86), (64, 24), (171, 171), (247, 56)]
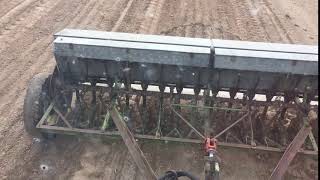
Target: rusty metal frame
[(296, 144), (132, 91), (290, 153), (116, 134)]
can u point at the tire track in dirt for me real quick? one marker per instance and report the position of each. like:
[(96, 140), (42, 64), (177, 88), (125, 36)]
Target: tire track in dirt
[(123, 14), (86, 18), (222, 19), (16, 90), (248, 27), (115, 162), (29, 51), (16, 11), (190, 19), (175, 25), (43, 60), (134, 18), (201, 21), (218, 18), (268, 20), (149, 25), (230, 26), (82, 16), (209, 19), (193, 20), (255, 10), (24, 64), (226, 28), (154, 160), (109, 20), (45, 57), (6, 6), (90, 165), (300, 28), (29, 54), (129, 168), (8, 77), (115, 27), (169, 17), (120, 161), (85, 24), (181, 19), (119, 165), (105, 7), (277, 24), (96, 24), (20, 127), (199, 14), (23, 24), (23, 44), (91, 16), (47, 153)]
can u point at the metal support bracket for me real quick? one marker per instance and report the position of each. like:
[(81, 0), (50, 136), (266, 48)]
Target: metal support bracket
[(132, 145), (290, 152), (115, 134)]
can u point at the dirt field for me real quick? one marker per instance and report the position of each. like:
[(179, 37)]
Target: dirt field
[(26, 29)]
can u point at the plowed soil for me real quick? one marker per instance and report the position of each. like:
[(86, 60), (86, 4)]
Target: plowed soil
[(26, 35)]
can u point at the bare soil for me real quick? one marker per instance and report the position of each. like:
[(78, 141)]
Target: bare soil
[(26, 35)]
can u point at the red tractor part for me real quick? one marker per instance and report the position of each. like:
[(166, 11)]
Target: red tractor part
[(210, 145)]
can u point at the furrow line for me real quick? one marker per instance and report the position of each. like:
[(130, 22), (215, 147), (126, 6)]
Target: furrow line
[(82, 16), (123, 14), (43, 42), (190, 19), (149, 25), (209, 19), (277, 24), (199, 30), (248, 27), (226, 27), (43, 60), (181, 18), (6, 6), (90, 17), (16, 11), (102, 10), (19, 28), (256, 10), (155, 19), (108, 20), (14, 89)]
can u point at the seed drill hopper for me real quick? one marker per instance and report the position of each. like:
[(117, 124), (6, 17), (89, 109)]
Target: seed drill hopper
[(253, 95)]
